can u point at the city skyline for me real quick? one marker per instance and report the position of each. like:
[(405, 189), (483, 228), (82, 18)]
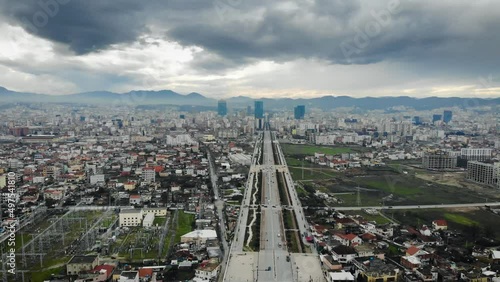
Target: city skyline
[(257, 49)]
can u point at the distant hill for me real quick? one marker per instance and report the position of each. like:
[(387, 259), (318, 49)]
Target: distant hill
[(169, 97)]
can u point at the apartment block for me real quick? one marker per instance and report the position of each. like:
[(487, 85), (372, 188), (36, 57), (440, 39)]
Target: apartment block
[(439, 161), (476, 154), (485, 173)]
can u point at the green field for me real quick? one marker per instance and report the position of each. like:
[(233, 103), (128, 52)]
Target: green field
[(311, 174), (185, 223), (398, 188), (367, 199), (410, 190), (369, 217), (159, 221), (43, 275), (291, 149), (461, 220)]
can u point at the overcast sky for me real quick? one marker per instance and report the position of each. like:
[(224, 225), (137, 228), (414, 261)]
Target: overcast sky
[(258, 48)]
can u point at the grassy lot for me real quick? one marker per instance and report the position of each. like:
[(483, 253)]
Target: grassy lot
[(291, 149), (367, 199), (294, 162), (458, 219), (411, 190), (386, 185), (160, 221), (43, 275), (313, 174), (300, 191), (185, 224), (369, 217)]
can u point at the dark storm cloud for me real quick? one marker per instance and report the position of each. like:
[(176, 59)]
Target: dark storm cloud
[(347, 32), (84, 26), (241, 31)]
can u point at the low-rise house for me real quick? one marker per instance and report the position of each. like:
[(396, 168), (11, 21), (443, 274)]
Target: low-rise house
[(439, 224), (79, 264), (130, 217), (348, 239), (199, 236), (343, 254), (340, 276), (135, 200), (129, 276), (207, 271)]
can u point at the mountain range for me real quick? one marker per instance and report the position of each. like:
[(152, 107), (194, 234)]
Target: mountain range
[(169, 97)]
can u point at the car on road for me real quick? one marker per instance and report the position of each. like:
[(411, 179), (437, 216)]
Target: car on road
[(287, 258), (279, 235)]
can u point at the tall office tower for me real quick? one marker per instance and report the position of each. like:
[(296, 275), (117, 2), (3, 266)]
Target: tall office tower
[(299, 112), (249, 110), (259, 115), (259, 109), (222, 108), (436, 117), (416, 120), (447, 116)]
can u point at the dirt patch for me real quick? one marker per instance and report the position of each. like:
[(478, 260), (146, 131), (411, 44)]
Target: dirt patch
[(467, 209)]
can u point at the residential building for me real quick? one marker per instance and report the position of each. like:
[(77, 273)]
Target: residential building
[(376, 270), (207, 271), (439, 224), (78, 264), (148, 174), (476, 154), (129, 276), (439, 161), (97, 178), (135, 200), (148, 220), (485, 173), (156, 211), (340, 276), (199, 236), (130, 217)]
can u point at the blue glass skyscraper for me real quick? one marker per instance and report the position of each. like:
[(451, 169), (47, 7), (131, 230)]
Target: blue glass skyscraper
[(222, 108), (447, 116), (259, 109), (300, 112)]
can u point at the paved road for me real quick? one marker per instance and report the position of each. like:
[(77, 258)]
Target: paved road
[(219, 205), (470, 205), (271, 263), (273, 248)]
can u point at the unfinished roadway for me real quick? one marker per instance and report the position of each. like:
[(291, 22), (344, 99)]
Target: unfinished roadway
[(260, 252)]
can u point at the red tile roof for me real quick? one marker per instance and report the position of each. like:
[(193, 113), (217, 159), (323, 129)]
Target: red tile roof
[(143, 272), (412, 250), (440, 222), (109, 269)]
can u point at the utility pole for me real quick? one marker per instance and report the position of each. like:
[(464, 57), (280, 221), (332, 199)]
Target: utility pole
[(302, 169), (358, 197)]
